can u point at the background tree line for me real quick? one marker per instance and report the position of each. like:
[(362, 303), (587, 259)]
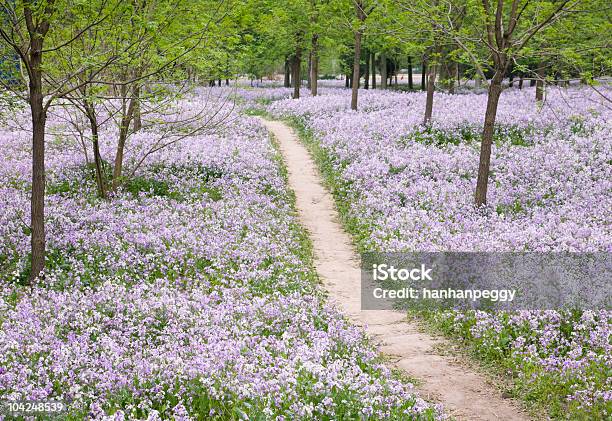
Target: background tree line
[(116, 61)]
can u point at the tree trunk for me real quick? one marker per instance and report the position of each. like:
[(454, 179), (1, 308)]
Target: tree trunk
[(373, 61), (366, 76), (410, 83), (295, 74), (495, 89), (314, 70), (458, 74), (309, 75), (431, 80), (520, 83), (39, 119), (126, 118), (383, 71), (287, 83), (540, 83), (423, 73), (226, 82), (90, 112), (357, 55)]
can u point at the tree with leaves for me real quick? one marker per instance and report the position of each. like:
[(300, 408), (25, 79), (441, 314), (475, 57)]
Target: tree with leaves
[(36, 31), (507, 27)]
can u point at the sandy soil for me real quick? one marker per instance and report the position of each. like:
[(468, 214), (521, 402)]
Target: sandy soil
[(465, 394)]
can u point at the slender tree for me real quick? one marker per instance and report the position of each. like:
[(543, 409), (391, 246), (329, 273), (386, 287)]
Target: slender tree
[(410, 84), (34, 30), (296, 64), (505, 38), (373, 62), (383, 71), (314, 68), (366, 73), (431, 86)]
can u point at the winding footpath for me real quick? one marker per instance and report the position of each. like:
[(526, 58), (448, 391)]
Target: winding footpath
[(464, 393)]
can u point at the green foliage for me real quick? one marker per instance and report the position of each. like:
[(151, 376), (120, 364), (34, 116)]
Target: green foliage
[(503, 135), (81, 181), (149, 186)]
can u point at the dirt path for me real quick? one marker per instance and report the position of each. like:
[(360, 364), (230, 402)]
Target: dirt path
[(464, 394)]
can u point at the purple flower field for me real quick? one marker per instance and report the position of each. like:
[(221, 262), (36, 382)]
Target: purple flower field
[(188, 294), (412, 190), (266, 210), (403, 187)]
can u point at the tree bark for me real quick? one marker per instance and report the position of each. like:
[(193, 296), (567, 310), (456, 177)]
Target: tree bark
[(366, 76), (410, 83), (39, 119), (431, 80), (423, 74), (314, 70), (495, 89), (126, 118), (458, 74), (98, 159), (309, 75), (373, 61), (295, 74), (90, 112), (383, 71), (287, 83)]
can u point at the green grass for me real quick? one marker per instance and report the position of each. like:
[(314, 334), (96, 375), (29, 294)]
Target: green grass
[(512, 135)]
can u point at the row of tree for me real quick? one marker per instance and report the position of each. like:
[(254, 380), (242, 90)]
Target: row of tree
[(115, 61), (488, 40)]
